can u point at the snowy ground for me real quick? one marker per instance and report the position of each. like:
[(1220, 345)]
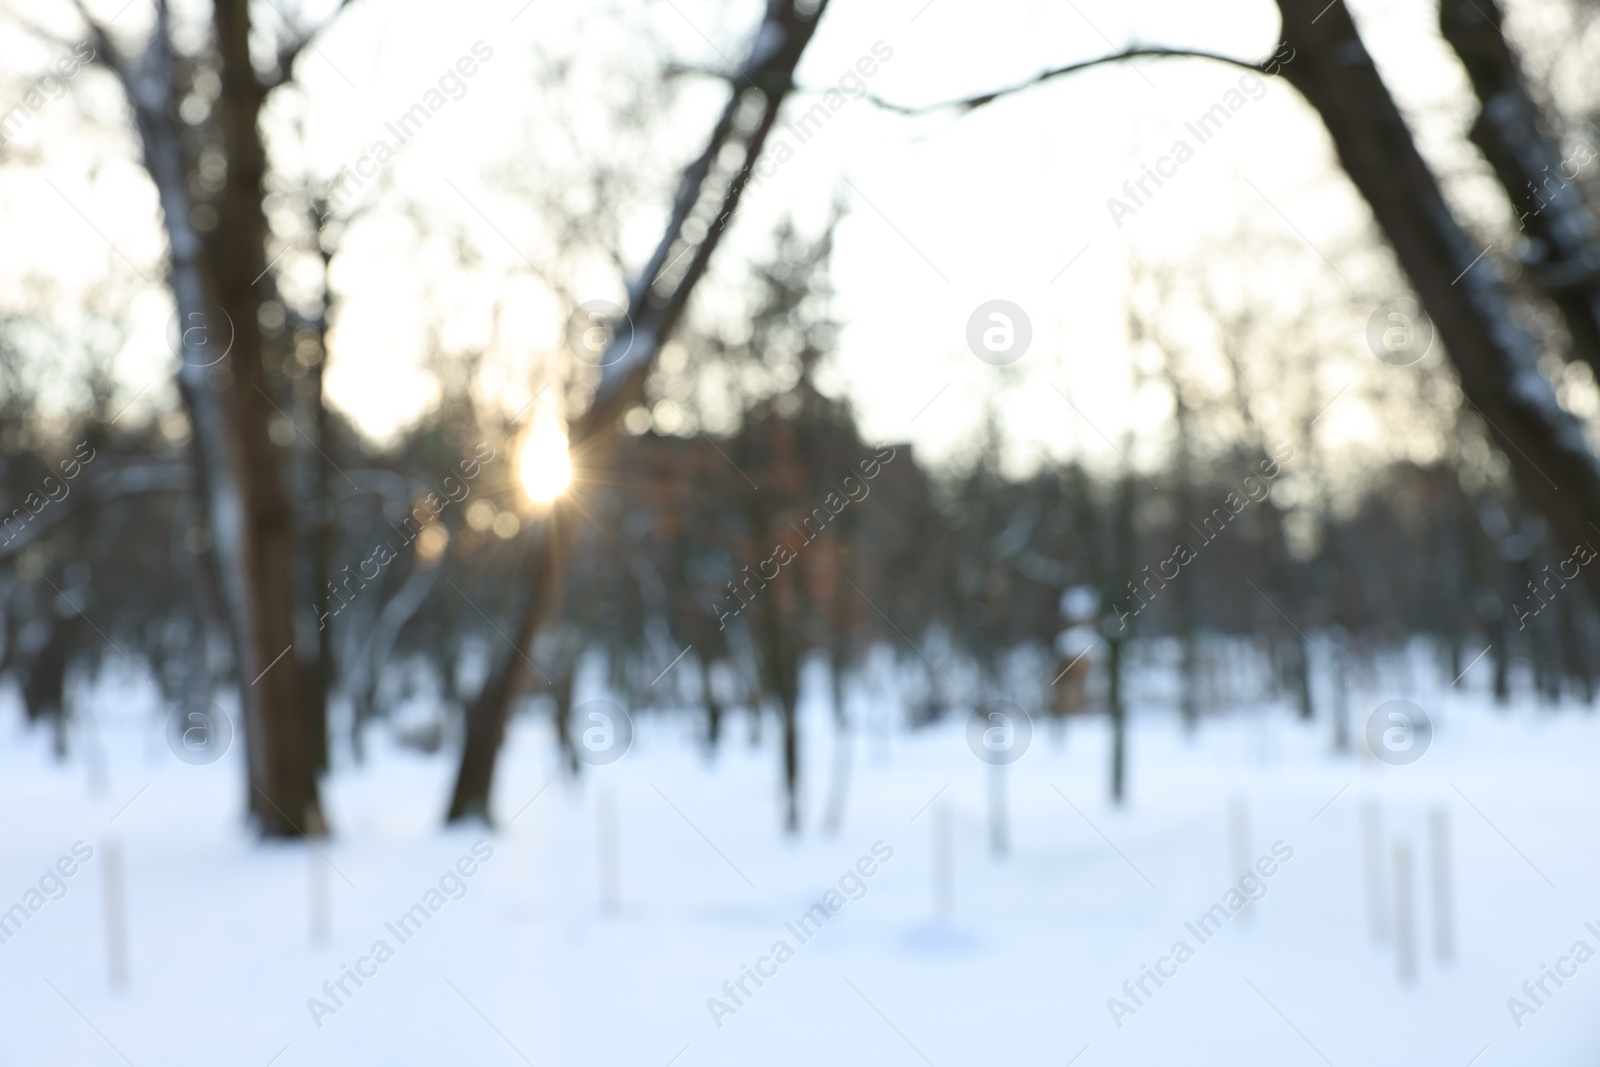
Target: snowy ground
[(527, 966)]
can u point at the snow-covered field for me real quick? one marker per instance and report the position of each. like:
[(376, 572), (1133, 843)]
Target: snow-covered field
[(522, 961)]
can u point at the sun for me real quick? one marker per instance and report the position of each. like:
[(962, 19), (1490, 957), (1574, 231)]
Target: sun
[(544, 463)]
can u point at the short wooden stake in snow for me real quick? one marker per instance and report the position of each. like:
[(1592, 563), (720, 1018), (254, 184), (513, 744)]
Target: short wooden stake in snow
[(1239, 843), (1444, 908), (1372, 868), (999, 838), (321, 909), (1341, 714), (943, 866), (116, 915), (609, 853), (1405, 915)]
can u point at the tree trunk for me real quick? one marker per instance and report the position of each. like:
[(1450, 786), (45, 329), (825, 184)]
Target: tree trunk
[(1119, 719), (488, 714), (1563, 260), (561, 686), (713, 705), (323, 672), (1120, 573), (288, 801), (657, 300), (1187, 600), (213, 282), (782, 669), (1459, 285)]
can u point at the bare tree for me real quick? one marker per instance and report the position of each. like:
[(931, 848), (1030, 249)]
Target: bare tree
[(657, 300), (215, 273), (1459, 285), (1458, 282)]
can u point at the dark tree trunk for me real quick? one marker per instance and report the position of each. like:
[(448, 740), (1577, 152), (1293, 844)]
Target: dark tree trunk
[(1457, 281), (561, 691), (1563, 257), (213, 280), (488, 714), (44, 677), (323, 670), (713, 705), (657, 300), (1187, 600), (780, 665), (286, 802)]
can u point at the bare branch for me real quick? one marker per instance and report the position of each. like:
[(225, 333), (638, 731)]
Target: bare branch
[(972, 102), (100, 41), (290, 51)]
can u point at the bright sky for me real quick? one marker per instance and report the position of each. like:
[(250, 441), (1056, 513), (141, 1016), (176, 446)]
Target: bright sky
[(947, 211)]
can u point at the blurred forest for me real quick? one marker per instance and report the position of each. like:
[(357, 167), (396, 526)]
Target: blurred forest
[(183, 545)]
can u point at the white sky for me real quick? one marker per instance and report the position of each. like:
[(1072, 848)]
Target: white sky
[(947, 211)]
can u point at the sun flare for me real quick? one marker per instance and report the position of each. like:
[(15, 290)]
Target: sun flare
[(545, 464)]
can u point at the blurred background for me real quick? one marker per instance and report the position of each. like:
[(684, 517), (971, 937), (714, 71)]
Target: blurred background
[(1027, 486)]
